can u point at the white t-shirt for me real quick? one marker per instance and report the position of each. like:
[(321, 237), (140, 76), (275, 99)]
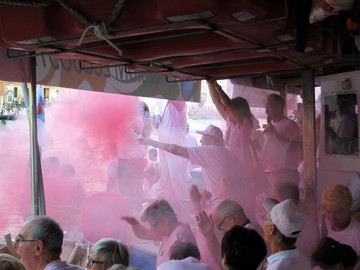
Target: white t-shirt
[(349, 236), (216, 163), (278, 155), (61, 265), (288, 259), (189, 263), (182, 233)]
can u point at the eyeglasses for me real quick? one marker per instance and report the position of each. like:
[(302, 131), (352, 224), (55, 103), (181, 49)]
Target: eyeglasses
[(153, 226), (92, 262), (221, 223), (19, 238)]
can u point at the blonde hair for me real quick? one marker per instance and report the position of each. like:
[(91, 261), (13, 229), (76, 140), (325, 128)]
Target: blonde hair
[(339, 195), (8, 262)]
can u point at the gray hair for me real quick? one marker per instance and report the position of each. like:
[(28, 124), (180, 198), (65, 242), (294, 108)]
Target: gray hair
[(111, 251), (229, 207), (47, 230), (8, 262)]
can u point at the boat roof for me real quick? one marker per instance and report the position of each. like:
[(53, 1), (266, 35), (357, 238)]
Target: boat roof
[(188, 40)]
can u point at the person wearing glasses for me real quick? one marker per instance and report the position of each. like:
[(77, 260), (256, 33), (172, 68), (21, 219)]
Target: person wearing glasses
[(107, 252), (226, 215), (163, 226), (39, 244)]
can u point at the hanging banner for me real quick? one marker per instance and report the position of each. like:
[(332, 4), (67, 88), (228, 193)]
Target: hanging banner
[(66, 73)]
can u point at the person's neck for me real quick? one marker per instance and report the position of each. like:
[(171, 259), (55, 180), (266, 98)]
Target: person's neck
[(277, 118), (44, 261), (277, 247), (342, 226), (172, 226)]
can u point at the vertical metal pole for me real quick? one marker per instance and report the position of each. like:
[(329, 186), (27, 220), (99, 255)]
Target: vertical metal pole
[(37, 189), (309, 138)]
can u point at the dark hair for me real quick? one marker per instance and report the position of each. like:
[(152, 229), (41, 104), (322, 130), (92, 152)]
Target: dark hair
[(158, 210), (288, 191), (277, 99), (243, 248), (47, 230), (288, 241), (182, 250), (330, 252), (242, 106)]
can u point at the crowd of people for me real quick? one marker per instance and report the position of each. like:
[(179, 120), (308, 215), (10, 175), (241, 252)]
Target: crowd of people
[(250, 214)]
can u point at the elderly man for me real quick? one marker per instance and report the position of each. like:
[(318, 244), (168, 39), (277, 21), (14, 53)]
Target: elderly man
[(164, 227), (283, 225), (226, 215), (336, 200), (39, 244), (215, 160), (279, 154)]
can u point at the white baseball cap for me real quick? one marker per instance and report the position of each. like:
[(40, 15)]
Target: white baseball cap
[(286, 216), (213, 131)]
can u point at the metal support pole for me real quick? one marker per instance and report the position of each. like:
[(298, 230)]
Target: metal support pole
[(37, 189), (309, 140)]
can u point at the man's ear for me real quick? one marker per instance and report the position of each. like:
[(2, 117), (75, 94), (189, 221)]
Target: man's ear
[(272, 229), (38, 247)]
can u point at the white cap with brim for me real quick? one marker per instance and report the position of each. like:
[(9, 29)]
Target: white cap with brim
[(285, 216), (213, 131)]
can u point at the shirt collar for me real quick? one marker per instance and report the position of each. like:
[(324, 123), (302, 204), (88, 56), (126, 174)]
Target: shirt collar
[(292, 253)]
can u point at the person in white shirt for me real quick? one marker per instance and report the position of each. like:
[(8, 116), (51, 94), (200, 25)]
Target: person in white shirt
[(215, 160), (336, 200), (280, 152), (239, 121), (184, 256), (226, 215), (283, 225), (164, 227)]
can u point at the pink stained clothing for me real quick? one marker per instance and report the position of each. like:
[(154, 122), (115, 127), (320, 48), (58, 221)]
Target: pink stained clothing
[(216, 163), (237, 139), (182, 233), (309, 238), (62, 265), (288, 259), (349, 236), (173, 169), (188, 263), (281, 157)]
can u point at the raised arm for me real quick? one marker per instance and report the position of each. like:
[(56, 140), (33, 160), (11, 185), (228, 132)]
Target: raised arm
[(206, 227), (227, 104), (212, 84), (171, 148), (140, 231)]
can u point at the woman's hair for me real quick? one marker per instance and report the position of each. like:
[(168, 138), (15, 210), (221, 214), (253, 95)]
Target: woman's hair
[(330, 252), (8, 262), (158, 210), (242, 106), (339, 195), (111, 251)]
